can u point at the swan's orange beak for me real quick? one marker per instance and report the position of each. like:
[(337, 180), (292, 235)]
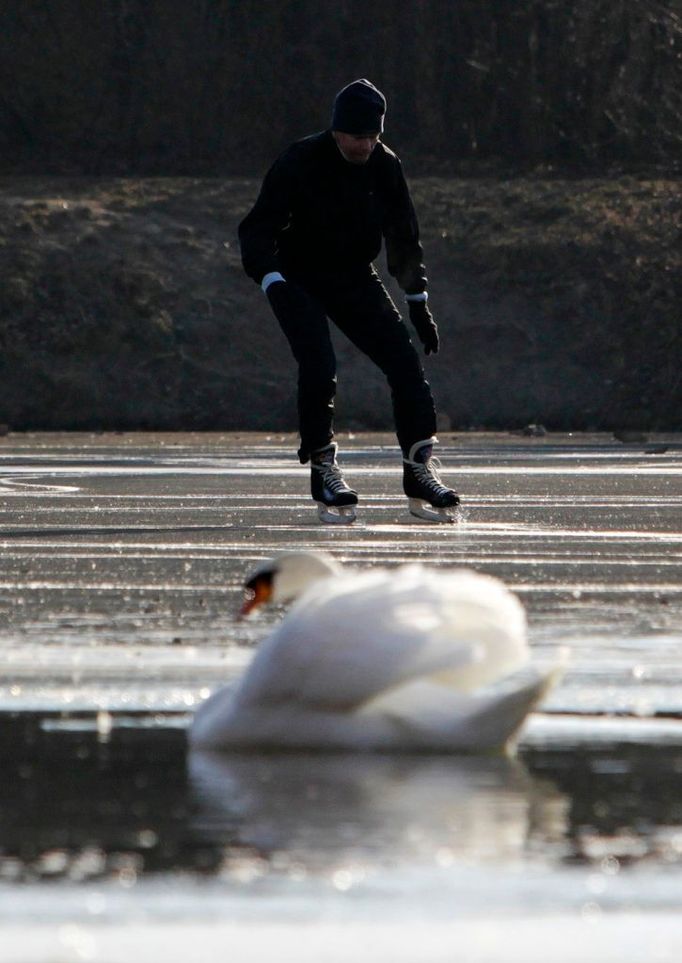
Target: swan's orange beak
[(257, 592)]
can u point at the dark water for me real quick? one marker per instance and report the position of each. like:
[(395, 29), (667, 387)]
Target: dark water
[(76, 805)]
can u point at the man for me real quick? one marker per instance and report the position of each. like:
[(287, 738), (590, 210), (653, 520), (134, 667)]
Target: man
[(318, 224)]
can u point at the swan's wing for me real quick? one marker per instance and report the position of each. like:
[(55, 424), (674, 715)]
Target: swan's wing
[(356, 636)]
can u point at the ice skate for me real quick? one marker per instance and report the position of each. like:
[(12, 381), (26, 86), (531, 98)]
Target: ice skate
[(335, 500), (427, 496)]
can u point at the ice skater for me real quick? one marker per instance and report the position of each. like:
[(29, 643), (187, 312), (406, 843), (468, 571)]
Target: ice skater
[(310, 242)]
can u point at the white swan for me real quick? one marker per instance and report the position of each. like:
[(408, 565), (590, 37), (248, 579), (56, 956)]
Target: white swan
[(410, 658)]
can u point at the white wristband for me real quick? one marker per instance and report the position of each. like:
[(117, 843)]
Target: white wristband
[(270, 279), (422, 296)]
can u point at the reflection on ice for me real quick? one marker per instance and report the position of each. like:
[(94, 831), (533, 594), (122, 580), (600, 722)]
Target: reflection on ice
[(562, 825), (575, 833), (376, 811)]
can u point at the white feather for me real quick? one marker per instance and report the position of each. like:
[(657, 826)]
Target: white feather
[(404, 658)]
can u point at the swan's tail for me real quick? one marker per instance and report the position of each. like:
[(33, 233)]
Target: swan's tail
[(498, 714), (436, 717)]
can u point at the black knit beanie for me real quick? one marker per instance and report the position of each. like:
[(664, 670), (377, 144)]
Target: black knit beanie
[(359, 109)]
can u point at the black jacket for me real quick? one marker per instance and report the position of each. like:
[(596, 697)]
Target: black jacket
[(320, 216)]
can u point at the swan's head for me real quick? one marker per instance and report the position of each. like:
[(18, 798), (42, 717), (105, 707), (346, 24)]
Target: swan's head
[(286, 576)]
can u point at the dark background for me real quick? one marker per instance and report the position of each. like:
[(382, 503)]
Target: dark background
[(219, 86)]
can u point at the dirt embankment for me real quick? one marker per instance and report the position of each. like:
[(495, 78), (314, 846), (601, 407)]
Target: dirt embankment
[(123, 305)]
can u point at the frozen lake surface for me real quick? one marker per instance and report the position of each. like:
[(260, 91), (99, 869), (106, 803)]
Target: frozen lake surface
[(121, 570)]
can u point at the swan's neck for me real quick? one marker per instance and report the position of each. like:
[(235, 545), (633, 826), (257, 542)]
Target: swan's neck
[(297, 572)]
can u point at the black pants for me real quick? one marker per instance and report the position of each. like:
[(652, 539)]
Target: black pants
[(362, 309)]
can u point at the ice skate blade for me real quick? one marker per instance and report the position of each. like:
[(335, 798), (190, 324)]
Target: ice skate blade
[(430, 513), (333, 515)]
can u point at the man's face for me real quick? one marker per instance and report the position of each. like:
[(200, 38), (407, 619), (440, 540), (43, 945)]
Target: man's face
[(356, 148)]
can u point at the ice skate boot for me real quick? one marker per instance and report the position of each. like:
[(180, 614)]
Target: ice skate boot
[(427, 496), (335, 500)]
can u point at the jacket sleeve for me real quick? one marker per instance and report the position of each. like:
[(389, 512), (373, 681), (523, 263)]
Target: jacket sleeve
[(259, 231), (404, 253)]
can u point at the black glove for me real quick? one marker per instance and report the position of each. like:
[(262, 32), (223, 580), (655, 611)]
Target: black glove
[(424, 325)]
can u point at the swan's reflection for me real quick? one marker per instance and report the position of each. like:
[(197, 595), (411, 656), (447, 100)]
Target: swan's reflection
[(315, 810)]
